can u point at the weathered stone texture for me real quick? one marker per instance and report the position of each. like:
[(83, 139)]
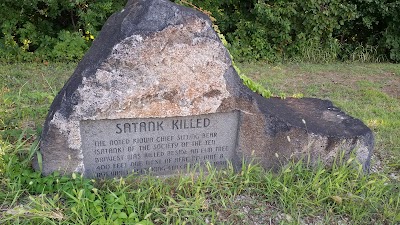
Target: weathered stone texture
[(155, 59)]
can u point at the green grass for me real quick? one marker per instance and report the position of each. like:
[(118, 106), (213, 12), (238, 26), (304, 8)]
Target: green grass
[(296, 195), (26, 92)]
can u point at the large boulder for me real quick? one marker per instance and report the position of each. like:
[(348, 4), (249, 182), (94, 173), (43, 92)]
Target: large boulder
[(158, 60)]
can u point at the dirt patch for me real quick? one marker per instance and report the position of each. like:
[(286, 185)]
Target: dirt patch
[(256, 210), (248, 209), (392, 86), (295, 78), (386, 82)]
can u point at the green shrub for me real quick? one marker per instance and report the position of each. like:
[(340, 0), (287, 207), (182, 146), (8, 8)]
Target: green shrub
[(392, 32), (70, 47), (376, 24), (51, 29), (277, 30), (311, 30)]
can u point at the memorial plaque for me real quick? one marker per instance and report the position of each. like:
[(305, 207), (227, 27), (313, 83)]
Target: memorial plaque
[(161, 146)]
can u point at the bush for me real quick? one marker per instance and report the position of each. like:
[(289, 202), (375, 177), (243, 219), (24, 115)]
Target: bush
[(311, 30), (70, 47), (51, 29)]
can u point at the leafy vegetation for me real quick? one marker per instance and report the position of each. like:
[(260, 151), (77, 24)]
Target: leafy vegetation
[(311, 30), (298, 194), (273, 31), (37, 30)]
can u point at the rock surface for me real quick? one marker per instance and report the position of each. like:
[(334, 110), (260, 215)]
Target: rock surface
[(155, 59)]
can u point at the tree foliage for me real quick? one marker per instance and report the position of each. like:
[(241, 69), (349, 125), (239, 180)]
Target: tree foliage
[(316, 30), (308, 30), (51, 29)]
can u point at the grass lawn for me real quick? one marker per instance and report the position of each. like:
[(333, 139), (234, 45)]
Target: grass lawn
[(296, 195)]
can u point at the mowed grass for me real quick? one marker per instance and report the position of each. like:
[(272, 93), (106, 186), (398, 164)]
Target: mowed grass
[(298, 194)]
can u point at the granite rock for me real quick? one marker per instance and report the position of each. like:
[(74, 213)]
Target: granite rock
[(156, 59)]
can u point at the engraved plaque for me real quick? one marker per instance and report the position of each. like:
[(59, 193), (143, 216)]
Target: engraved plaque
[(160, 146)]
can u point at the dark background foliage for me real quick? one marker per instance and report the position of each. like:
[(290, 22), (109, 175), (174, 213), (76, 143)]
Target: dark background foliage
[(51, 29), (307, 30)]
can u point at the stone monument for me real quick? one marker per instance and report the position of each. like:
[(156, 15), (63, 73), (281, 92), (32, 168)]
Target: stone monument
[(157, 93)]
